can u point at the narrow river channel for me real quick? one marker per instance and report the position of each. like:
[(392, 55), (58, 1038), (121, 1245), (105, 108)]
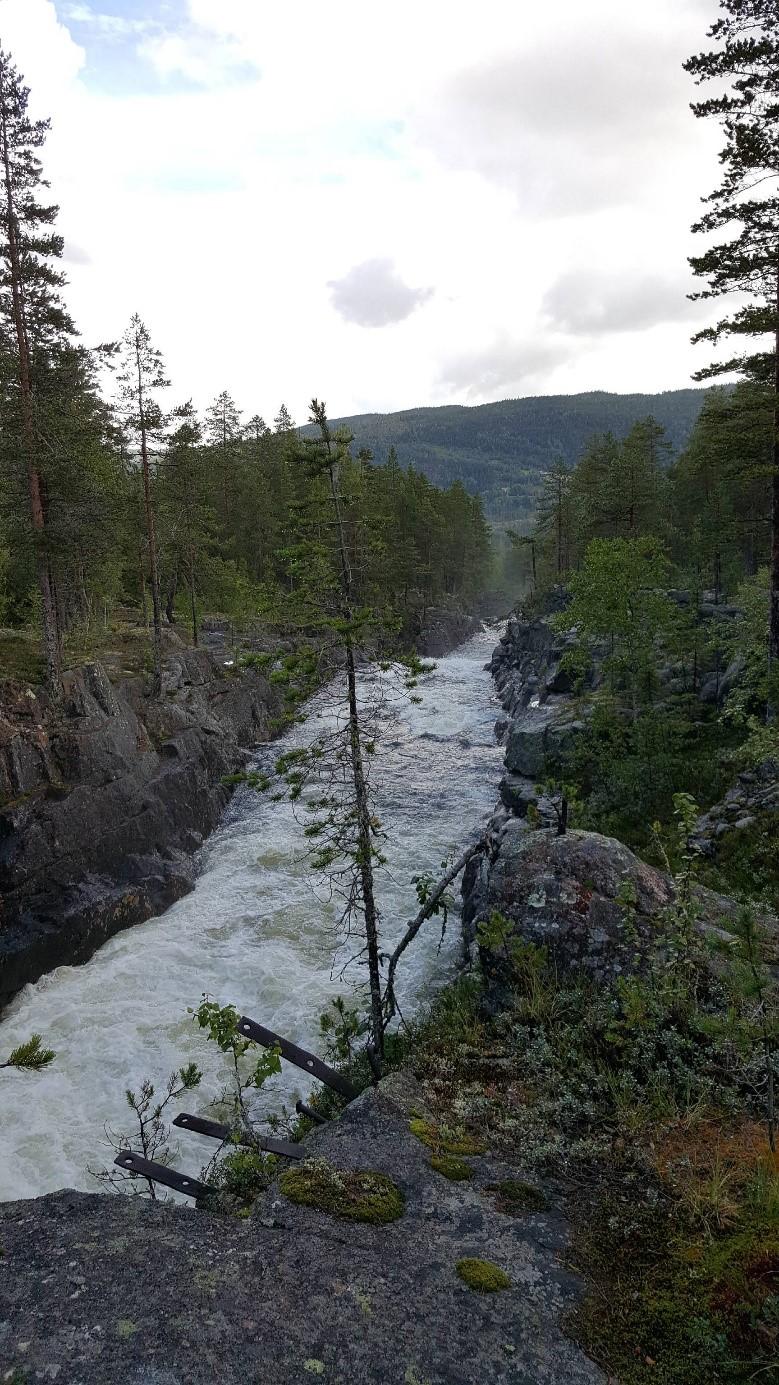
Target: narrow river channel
[(253, 932)]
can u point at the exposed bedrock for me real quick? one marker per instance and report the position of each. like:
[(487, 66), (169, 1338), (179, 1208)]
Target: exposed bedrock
[(103, 803), (100, 1290)]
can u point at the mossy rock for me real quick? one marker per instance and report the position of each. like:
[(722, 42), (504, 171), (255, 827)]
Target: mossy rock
[(482, 1276), (361, 1195), (451, 1167), (514, 1197), (443, 1140)]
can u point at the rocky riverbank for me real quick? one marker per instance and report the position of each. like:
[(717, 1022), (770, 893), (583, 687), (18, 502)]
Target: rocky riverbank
[(481, 1147), (105, 800)]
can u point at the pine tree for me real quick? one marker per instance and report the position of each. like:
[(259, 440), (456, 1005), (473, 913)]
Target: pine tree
[(554, 514), (223, 432), (141, 374), (184, 501), (327, 460), (747, 61), (33, 315), (284, 421), (256, 428)]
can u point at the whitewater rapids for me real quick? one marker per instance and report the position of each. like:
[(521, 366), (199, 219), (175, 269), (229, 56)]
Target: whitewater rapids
[(252, 932)]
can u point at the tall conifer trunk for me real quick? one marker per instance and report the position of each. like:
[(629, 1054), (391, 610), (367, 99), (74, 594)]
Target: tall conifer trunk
[(51, 628), (364, 854), (773, 617), (151, 534), (364, 839)]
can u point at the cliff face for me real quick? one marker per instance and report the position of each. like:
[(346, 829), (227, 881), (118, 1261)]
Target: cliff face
[(103, 803), (563, 892)]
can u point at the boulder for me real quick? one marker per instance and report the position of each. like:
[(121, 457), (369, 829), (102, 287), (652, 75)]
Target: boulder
[(563, 893), (539, 734)]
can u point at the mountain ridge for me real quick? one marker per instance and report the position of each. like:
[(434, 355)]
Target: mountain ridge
[(500, 449)]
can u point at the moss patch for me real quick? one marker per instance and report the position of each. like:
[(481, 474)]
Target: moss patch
[(482, 1276), (444, 1139), (451, 1167), (353, 1194), (513, 1197)]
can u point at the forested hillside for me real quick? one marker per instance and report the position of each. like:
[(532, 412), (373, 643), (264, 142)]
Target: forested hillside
[(665, 575), (498, 451), (118, 504)]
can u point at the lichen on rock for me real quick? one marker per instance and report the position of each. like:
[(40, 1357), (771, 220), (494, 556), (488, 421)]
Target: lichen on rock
[(444, 1140)]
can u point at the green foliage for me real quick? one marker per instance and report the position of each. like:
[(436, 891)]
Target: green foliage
[(746, 640), (617, 598), (626, 768), (482, 1276), (30, 1055), (752, 1021), (151, 1135), (746, 864), (221, 1024), (342, 1025), (677, 1309), (359, 1195), (243, 1174)]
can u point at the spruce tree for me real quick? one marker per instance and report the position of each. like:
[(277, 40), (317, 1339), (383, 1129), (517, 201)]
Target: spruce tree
[(284, 421), (746, 206), (34, 319), (141, 374)]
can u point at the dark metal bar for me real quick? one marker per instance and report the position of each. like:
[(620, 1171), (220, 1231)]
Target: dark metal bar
[(160, 1173), (305, 1110), (299, 1056), (217, 1131)]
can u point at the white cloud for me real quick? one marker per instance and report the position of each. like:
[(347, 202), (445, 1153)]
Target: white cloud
[(194, 56), (500, 152), (504, 368), (588, 301)]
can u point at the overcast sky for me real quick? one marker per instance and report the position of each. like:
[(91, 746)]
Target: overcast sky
[(427, 202)]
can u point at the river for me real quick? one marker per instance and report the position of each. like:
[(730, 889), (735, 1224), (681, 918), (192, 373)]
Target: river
[(254, 932)]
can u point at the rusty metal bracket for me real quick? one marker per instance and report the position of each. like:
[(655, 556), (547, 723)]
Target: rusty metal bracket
[(299, 1056), (217, 1131), (160, 1173), (303, 1109)]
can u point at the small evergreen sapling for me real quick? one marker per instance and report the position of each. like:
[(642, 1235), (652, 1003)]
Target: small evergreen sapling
[(30, 1056), (151, 1137)]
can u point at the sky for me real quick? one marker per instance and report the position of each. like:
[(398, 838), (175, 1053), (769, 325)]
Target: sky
[(384, 206)]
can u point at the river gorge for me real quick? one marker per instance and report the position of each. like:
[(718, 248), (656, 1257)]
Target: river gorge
[(255, 932)]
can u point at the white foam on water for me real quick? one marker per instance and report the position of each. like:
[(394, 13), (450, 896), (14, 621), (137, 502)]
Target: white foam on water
[(252, 932)]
